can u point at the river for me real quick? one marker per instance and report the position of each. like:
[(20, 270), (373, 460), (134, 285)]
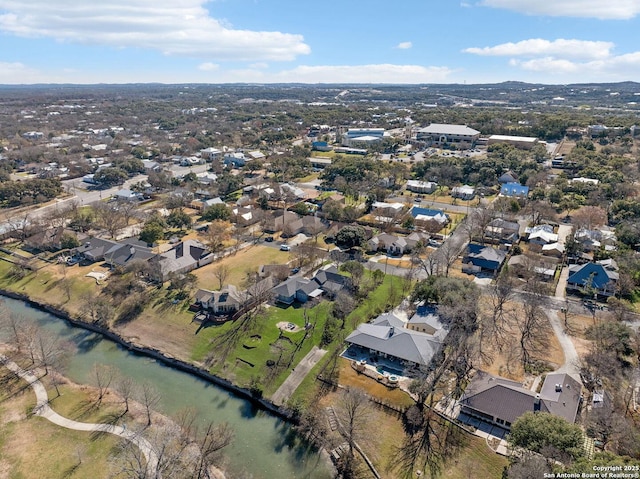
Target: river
[(265, 447)]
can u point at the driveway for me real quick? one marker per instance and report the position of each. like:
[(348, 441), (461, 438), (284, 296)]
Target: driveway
[(571, 364)]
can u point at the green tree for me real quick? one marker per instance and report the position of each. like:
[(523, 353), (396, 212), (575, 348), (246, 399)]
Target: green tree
[(541, 432), (69, 241), (110, 176), (219, 211), (178, 219), (151, 232), (351, 236)]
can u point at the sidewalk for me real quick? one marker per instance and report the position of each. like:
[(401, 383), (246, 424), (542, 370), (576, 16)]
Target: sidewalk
[(290, 384)]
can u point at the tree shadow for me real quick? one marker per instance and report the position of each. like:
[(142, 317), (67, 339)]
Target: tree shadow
[(71, 470)]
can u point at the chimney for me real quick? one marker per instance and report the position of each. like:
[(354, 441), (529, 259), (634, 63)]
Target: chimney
[(558, 388), (536, 403), (391, 331)]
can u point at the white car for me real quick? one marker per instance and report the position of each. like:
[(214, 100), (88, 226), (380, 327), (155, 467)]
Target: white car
[(285, 247)]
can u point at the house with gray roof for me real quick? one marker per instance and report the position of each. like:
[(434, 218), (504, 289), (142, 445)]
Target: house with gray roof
[(485, 257), (182, 258), (331, 282), (499, 401), (121, 255), (387, 337), (296, 289), (224, 302)]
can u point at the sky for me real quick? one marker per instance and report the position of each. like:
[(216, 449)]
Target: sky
[(326, 41)]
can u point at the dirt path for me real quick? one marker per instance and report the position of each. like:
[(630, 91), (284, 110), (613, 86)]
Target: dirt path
[(43, 409)]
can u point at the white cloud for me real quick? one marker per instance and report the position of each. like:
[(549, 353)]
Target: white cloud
[(604, 10), (380, 73), (614, 68), (174, 28), (208, 67), (259, 65), (14, 73), (539, 47), (404, 45)]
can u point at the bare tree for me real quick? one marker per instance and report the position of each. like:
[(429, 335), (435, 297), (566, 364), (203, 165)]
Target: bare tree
[(532, 323), (353, 411), (126, 387), (221, 272), (218, 232), (109, 217), (103, 376), (150, 398)]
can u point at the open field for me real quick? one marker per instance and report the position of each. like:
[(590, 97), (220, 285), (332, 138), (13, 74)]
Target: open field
[(248, 259), (33, 448)]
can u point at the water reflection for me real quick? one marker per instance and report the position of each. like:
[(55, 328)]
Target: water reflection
[(265, 447)]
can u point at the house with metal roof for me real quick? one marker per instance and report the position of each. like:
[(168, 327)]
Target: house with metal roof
[(387, 337), (600, 277), (541, 235), (464, 192), (499, 401), (511, 190), (417, 186), (426, 216)]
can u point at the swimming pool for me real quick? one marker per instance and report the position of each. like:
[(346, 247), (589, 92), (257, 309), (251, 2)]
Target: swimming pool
[(389, 370)]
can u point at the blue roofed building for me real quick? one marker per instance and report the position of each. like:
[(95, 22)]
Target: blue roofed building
[(485, 257), (425, 216), (600, 277), (514, 190)]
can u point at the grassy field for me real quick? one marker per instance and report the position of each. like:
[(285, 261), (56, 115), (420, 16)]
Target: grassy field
[(248, 259), (265, 341), (32, 448)]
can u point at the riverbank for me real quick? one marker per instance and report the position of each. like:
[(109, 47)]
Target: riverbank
[(251, 411), (64, 403), (154, 354)]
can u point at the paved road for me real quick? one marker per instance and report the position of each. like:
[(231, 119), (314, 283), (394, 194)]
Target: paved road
[(80, 195), (43, 409), (290, 384)]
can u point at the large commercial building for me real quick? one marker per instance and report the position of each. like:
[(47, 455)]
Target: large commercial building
[(459, 136)]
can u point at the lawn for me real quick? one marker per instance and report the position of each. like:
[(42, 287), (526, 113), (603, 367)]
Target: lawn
[(32, 448), (248, 259), (265, 341)]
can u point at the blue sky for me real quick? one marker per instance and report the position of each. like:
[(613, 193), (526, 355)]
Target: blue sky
[(330, 41)]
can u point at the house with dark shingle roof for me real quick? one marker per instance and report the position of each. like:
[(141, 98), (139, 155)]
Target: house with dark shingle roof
[(485, 257), (182, 258), (331, 282), (499, 401)]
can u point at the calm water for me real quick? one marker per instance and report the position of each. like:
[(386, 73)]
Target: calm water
[(264, 446)]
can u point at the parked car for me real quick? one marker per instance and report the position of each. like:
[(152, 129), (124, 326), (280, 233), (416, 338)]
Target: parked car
[(295, 270), (269, 239), (285, 247)]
